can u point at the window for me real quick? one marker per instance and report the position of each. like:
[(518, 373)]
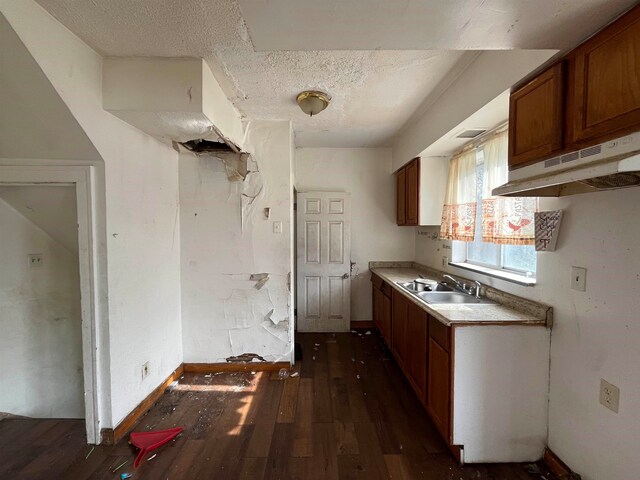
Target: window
[(517, 259)]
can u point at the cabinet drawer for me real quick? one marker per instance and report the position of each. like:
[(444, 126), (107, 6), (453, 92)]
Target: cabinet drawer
[(439, 333)]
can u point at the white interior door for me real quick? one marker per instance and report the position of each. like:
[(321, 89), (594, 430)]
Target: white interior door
[(324, 262)]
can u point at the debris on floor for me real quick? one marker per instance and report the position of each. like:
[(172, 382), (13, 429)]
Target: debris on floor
[(294, 374), (90, 452), (124, 476), (368, 332), (119, 466), (149, 441), (283, 374)]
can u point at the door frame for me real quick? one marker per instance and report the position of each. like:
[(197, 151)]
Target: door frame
[(82, 177)]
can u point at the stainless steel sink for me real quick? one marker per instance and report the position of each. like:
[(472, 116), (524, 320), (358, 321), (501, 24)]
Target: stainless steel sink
[(452, 297), (439, 287)]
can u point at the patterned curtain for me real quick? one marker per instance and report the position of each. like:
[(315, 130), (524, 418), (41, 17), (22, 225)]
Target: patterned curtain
[(505, 220), (459, 213)]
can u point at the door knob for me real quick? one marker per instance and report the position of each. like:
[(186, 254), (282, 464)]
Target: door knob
[(345, 276)]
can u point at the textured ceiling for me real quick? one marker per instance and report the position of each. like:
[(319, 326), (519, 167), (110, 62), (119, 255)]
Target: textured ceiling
[(374, 91), (425, 24)]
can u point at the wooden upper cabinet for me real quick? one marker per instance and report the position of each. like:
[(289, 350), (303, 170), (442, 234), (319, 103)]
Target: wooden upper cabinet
[(604, 83), (536, 118), (401, 189), (413, 186), (408, 193)]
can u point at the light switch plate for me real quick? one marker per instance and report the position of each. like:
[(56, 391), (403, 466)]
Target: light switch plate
[(579, 279), (277, 227), (609, 395)]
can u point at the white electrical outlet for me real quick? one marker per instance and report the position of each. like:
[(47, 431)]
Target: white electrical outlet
[(609, 395), (579, 279), (146, 369), (35, 259), (277, 227)]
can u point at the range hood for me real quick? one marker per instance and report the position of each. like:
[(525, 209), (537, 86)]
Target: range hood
[(610, 165)]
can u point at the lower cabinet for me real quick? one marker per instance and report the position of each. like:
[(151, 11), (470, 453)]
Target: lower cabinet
[(382, 307), (441, 363), (439, 388), (399, 328), (416, 354)]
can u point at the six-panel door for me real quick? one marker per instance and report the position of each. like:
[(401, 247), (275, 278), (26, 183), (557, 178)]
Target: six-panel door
[(323, 262)]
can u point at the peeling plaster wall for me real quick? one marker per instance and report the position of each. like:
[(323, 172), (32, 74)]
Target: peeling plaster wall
[(138, 211), (40, 322), (595, 334), (225, 238), (366, 174)]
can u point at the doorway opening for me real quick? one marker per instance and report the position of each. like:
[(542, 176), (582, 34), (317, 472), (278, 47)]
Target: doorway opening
[(50, 294), (41, 316)]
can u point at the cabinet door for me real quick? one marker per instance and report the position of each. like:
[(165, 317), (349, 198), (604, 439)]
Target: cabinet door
[(377, 308), (386, 319), (439, 388), (413, 188), (536, 118), (604, 83), (399, 327), (416, 355), (401, 197)]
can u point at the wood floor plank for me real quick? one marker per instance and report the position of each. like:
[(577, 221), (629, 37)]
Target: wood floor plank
[(302, 437), (260, 442), (325, 453), (398, 467), (277, 466), (289, 400), (346, 441)]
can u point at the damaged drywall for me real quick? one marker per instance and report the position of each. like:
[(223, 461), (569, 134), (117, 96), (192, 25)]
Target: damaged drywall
[(260, 279), (236, 298)]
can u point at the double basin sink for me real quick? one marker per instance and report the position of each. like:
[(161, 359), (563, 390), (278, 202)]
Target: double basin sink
[(441, 293)]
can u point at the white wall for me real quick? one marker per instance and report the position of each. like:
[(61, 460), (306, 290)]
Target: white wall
[(596, 333), (366, 173), (141, 227), (40, 321), (225, 239)]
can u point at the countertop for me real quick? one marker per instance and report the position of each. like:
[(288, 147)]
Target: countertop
[(458, 314)]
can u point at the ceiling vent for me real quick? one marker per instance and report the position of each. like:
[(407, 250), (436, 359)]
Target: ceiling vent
[(471, 133)]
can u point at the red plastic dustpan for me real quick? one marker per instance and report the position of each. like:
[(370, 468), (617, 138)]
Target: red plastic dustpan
[(148, 441)]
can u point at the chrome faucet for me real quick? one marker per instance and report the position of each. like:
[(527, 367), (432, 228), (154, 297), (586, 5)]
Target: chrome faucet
[(462, 287), (456, 282)]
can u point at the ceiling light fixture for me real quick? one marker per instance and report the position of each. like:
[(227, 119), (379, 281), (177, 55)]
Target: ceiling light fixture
[(312, 102)]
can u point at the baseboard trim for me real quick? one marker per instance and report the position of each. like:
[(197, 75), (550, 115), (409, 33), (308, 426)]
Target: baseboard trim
[(362, 324), (111, 436), (235, 367), (555, 465)]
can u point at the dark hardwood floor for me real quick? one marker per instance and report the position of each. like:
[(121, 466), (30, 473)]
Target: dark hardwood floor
[(349, 414)]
